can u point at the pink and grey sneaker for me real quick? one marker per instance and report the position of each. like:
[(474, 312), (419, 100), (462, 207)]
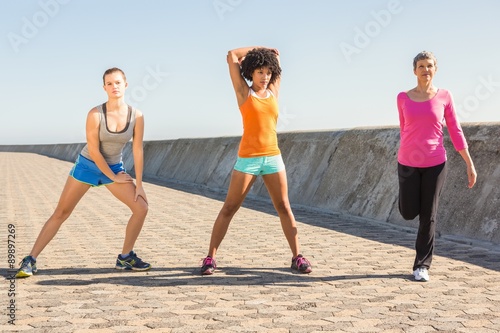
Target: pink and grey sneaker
[(301, 264), (208, 266)]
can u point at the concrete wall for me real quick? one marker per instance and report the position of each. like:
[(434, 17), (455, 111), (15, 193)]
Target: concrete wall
[(351, 172)]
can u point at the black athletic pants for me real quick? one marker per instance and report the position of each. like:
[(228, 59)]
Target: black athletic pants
[(419, 191)]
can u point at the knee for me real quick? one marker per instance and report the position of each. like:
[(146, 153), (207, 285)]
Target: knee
[(141, 208), (283, 208), (61, 215), (408, 215), (228, 210), (408, 212)]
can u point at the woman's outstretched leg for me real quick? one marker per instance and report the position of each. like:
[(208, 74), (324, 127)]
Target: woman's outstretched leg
[(239, 186), (277, 187), (72, 193)]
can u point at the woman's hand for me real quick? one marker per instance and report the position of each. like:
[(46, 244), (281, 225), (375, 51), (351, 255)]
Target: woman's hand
[(122, 177), (471, 175), (275, 51), (471, 170), (139, 192)]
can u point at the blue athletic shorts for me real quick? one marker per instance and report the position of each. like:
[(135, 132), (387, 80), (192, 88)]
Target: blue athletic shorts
[(86, 171), (263, 165)]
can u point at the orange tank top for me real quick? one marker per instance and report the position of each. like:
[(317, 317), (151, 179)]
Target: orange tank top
[(260, 116)]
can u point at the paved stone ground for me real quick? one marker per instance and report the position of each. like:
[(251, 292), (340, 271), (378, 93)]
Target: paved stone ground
[(361, 280)]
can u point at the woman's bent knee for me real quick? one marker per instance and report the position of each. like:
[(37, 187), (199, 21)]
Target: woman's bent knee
[(141, 208), (408, 215)]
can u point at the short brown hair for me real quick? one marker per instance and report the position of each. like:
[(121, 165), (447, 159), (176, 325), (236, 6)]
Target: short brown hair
[(112, 70)]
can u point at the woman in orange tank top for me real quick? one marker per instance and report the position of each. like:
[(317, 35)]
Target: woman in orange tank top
[(258, 153)]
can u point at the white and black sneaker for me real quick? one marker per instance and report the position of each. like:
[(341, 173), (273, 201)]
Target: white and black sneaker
[(421, 274)]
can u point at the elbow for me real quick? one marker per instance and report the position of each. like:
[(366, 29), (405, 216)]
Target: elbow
[(232, 57)]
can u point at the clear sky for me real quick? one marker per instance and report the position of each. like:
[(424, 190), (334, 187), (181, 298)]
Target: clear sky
[(343, 62)]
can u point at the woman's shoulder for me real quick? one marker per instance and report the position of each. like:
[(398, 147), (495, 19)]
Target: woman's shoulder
[(98, 108), (136, 112), (136, 115), (403, 95), (444, 96), (444, 92)]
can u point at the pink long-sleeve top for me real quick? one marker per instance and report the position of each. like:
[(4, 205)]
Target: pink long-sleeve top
[(422, 128)]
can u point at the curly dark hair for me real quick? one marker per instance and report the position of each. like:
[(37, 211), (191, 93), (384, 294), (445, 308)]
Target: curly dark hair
[(258, 58)]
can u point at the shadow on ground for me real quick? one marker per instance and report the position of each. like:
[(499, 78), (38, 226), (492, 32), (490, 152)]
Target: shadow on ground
[(190, 276), (465, 250)]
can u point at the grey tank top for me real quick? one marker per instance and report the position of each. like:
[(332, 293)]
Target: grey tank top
[(111, 143)]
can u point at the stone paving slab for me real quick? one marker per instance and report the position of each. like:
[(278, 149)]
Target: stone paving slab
[(361, 280)]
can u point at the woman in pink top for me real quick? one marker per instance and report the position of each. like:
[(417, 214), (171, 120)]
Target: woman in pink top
[(423, 113)]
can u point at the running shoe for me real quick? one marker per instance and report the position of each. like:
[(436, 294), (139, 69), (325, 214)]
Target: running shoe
[(28, 267), (421, 274), (131, 263), (301, 264), (208, 267)]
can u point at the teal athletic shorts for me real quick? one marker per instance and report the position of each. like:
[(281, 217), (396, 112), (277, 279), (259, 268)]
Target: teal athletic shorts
[(86, 171), (263, 165)]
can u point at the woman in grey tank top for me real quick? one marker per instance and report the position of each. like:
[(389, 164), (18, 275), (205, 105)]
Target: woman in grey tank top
[(109, 127)]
